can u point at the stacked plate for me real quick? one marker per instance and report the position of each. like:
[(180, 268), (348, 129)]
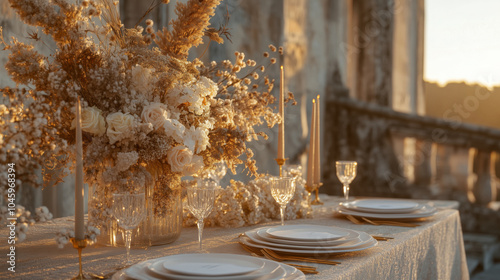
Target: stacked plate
[(308, 239), (386, 209), (209, 267)]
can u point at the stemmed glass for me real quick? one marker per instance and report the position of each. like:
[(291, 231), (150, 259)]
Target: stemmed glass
[(346, 172), (282, 189), (200, 201), (129, 210)]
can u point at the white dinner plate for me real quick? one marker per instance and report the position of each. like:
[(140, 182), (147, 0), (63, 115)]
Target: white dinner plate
[(141, 271), (366, 242), (265, 236), (255, 238), (212, 264), (306, 232), (387, 205), (260, 233), (350, 206), (424, 212)]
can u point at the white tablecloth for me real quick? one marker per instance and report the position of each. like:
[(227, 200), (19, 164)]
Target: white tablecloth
[(432, 251)]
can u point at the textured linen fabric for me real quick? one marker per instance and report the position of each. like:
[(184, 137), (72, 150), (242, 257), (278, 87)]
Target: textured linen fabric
[(433, 250)]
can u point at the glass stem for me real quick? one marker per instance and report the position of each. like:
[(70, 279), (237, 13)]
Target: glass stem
[(128, 241), (200, 224), (346, 191), (282, 212)]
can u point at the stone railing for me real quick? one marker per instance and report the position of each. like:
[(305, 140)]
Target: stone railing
[(411, 156)]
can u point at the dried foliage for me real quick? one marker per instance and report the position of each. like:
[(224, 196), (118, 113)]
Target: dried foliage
[(147, 113)]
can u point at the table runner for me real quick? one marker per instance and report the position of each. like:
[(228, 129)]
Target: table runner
[(432, 251)]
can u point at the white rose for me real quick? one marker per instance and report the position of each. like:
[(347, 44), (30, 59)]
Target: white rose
[(178, 157), (119, 126), (155, 113), (92, 121), (175, 129)]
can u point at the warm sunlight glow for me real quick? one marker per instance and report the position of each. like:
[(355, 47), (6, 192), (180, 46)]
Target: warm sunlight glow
[(462, 41)]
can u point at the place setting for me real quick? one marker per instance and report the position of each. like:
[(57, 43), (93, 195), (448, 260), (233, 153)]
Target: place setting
[(378, 211), (301, 242), (211, 266)]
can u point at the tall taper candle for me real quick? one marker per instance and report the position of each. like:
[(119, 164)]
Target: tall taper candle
[(317, 154), (310, 160), (281, 131), (79, 220)]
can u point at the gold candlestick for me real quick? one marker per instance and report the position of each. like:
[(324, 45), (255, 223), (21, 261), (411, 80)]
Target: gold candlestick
[(79, 245), (317, 201), (310, 188), (281, 162)]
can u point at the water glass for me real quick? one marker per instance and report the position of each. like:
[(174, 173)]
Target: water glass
[(346, 172), (129, 210), (282, 190), (200, 199)]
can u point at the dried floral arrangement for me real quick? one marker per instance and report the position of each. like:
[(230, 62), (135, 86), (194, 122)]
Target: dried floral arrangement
[(148, 113)]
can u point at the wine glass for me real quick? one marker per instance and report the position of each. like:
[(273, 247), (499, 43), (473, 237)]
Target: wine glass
[(346, 172), (200, 199), (282, 189), (129, 210)]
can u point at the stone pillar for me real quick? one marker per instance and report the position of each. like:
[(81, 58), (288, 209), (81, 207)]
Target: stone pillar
[(407, 84), (370, 50)]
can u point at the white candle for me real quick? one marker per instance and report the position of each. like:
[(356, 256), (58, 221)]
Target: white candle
[(281, 131), (317, 154), (310, 160), (79, 221)]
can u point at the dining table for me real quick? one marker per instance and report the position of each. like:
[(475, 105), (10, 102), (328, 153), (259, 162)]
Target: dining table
[(433, 250)]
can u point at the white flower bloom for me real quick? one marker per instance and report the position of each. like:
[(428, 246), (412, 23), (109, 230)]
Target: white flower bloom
[(196, 138), (195, 94), (178, 157), (142, 79), (119, 126), (155, 113), (92, 121), (175, 129)]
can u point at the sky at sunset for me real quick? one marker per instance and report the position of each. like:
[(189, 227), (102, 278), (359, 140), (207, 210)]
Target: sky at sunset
[(462, 41)]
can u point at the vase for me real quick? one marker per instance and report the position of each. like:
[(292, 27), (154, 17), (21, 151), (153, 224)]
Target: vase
[(162, 224)]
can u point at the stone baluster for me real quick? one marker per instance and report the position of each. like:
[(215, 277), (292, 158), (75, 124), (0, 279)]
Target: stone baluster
[(482, 190)]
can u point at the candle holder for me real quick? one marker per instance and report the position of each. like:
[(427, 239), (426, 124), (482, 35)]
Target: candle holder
[(310, 189), (281, 162), (79, 245), (316, 201)]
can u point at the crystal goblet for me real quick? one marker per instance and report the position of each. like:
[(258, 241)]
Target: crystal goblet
[(346, 172), (200, 201), (282, 190), (129, 210)]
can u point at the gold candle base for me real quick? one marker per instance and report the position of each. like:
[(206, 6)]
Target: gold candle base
[(79, 245), (281, 162), (316, 201)]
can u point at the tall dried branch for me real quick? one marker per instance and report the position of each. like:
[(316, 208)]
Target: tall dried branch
[(188, 29)]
